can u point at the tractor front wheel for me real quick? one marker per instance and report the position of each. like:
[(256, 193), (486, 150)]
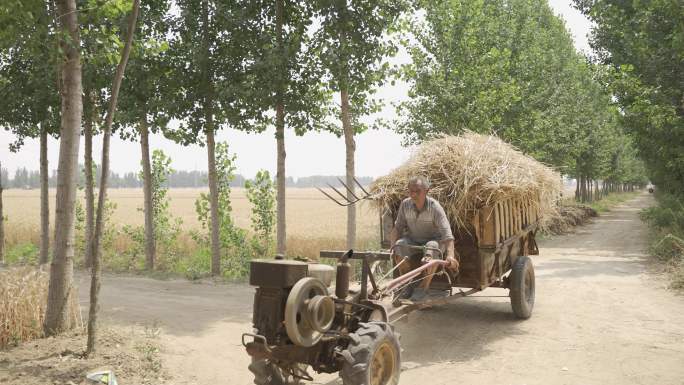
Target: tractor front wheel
[(373, 356)]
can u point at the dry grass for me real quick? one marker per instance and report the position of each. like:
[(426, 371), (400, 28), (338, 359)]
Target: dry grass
[(569, 216), (313, 221), (23, 299), (470, 171)]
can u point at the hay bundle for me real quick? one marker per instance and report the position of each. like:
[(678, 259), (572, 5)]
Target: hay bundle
[(23, 299), (470, 171)]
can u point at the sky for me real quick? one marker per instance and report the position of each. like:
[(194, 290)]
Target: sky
[(377, 151)]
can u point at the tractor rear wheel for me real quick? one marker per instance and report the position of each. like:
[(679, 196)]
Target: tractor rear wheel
[(266, 372), (522, 287), (373, 356)]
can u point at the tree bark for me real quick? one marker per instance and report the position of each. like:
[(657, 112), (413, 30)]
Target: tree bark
[(44, 201), (213, 203), (281, 230), (2, 224), (150, 241), (350, 146), (102, 195), (281, 247), (89, 184), (207, 78), (60, 288)]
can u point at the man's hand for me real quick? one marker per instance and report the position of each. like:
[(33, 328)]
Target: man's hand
[(453, 263)]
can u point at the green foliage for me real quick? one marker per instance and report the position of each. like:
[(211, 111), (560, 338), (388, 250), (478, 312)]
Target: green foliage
[(28, 70), (261, 194), (510, 68), (236, 248), (109, 230), (643, 41), (146, 96), (166, 227), (22, 254), (668, 214), (286, 68), (352, 43), (606, 203), (211, 77), (667, 238)]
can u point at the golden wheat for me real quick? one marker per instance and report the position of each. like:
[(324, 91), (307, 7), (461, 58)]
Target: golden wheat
[(23, 298), (313, 221)]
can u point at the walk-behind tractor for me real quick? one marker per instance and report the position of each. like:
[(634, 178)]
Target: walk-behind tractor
[(300, 322)]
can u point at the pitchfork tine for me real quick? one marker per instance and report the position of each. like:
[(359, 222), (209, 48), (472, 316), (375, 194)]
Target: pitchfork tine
[(361, 187), (350, 190), (329, 197), (340, 194)]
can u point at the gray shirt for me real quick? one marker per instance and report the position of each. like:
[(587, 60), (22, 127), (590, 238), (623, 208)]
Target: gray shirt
[(428, 224)]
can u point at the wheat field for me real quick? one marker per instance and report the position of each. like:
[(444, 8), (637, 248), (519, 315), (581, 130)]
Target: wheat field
[(313, 221)]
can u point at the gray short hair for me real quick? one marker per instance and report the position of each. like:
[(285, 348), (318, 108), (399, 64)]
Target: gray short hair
[(419, 180)]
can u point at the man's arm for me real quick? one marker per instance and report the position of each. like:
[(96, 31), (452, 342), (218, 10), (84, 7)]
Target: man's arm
[(450, 251), (394, 236), (399, 226)]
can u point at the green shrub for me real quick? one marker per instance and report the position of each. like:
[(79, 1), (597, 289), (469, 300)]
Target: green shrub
[(667, 224), (22, 254)]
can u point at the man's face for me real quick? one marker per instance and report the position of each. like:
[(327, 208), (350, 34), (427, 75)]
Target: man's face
[(417, 193)]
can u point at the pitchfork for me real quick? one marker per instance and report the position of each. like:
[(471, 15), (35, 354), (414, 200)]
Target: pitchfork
[(346, 201)]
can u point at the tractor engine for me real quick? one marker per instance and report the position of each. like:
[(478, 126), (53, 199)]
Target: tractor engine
[(292, 304)]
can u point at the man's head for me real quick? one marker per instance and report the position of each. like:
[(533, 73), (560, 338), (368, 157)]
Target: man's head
[(418, 187)]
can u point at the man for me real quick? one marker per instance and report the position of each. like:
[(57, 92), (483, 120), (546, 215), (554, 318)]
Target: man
[(421, 221)]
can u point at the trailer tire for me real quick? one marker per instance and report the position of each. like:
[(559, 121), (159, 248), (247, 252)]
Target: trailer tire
[(268, 373), (373, 356), (522, 287)]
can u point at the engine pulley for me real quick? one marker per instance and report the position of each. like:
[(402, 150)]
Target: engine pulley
[(309, 312)]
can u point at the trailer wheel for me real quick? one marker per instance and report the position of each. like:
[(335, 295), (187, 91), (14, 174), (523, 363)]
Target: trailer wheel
[(522, 287), (268, 373), (373, 356)]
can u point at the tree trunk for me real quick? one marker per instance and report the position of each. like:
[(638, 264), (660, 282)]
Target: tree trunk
[(61, 268), (102, 195), (350, 146), (150, 241), (213, 202), (280, 182), (89, 185), (2, 224), (44, 202), (281, 247)]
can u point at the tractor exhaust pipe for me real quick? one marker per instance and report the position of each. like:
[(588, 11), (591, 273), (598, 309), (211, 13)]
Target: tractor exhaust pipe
[(342, 276)]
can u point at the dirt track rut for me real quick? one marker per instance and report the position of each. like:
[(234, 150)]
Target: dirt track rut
[(600, 318)]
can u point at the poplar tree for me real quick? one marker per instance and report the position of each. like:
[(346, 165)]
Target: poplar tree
[(212, 82), (353, 43), (289, 80), (60, 289), (144, 101), (28, 87), (99, 219)]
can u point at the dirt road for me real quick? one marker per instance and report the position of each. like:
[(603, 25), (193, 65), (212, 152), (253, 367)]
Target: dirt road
[(600, 318)]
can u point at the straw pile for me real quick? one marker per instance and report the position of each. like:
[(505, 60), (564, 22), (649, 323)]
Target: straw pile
[(568, 217), (470, 171), (23, 299)]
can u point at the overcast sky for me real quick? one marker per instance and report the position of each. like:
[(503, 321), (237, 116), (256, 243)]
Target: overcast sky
[(377, 151)]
